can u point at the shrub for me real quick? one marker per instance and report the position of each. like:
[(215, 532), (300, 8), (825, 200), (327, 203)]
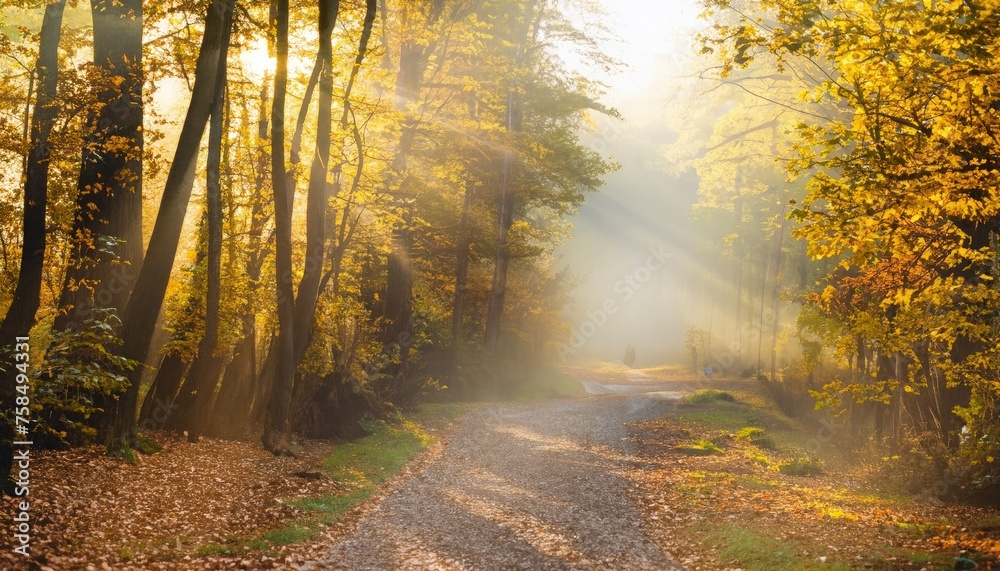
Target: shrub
[(699, 448), (145, 445), (81, 371), (705, 396), (756, 436), (918, 463), (801, 467), (756, 457)]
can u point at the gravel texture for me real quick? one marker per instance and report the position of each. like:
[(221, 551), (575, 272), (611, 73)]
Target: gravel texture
[(532, 485)]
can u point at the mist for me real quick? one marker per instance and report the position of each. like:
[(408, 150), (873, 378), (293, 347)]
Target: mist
[(633, 243)]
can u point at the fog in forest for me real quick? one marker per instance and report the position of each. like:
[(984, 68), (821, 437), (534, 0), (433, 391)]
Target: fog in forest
[(497, 284), (622, 233)]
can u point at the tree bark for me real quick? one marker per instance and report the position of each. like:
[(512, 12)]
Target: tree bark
[(159, 401), (107, 227), (20, 316), (275, 436)]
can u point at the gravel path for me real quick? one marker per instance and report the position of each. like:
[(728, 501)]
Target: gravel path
[(532, 485)]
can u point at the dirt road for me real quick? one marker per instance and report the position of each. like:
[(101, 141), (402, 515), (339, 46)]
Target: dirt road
[(531, 485)]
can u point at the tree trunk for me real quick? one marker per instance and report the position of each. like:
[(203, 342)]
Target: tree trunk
[(505, 219), (262, 392), (195, 399), (507, 199), (738, 247), (776, 295), (308, 292), (139, 319), (20, 315), (230, 414), (107, 227), (398, 303), (763, 295), (159, 401), (230, 418), (461, 277), (275, 437), (399, 274)]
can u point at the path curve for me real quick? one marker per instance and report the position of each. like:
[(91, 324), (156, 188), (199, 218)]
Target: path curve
[(534, 485)]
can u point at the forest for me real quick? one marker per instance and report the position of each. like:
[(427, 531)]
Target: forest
[(852, 183), (359, 208), (322, 259)]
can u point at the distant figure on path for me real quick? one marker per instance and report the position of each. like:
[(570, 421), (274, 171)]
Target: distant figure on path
[(629, 358), (708, 372)]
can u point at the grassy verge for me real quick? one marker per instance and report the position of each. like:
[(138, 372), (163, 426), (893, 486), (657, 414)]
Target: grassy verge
[(733, 483), (757, 551), (358, 467), (748, 415)]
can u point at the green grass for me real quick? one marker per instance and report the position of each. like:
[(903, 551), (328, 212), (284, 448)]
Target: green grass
[(726, 416), (756, 436), (706, 396), (146, 445), (801, 467), (699, 448), (785, 446), (756, 457), (755, 551), (374, 458), (755, 482), (753, 418), (360, 466)]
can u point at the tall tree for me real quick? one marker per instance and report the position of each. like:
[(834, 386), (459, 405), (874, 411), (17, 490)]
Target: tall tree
[(896, 142), (398, 305), (230, 417), (308, 291), (526, 27), (195, 398), (20, 316), (275, 436), (107, 227), (139, 319), (461, 274)]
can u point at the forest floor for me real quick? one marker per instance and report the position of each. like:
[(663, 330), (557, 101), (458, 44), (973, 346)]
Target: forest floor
[(738, 485), (217, 504), (648, 471)]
